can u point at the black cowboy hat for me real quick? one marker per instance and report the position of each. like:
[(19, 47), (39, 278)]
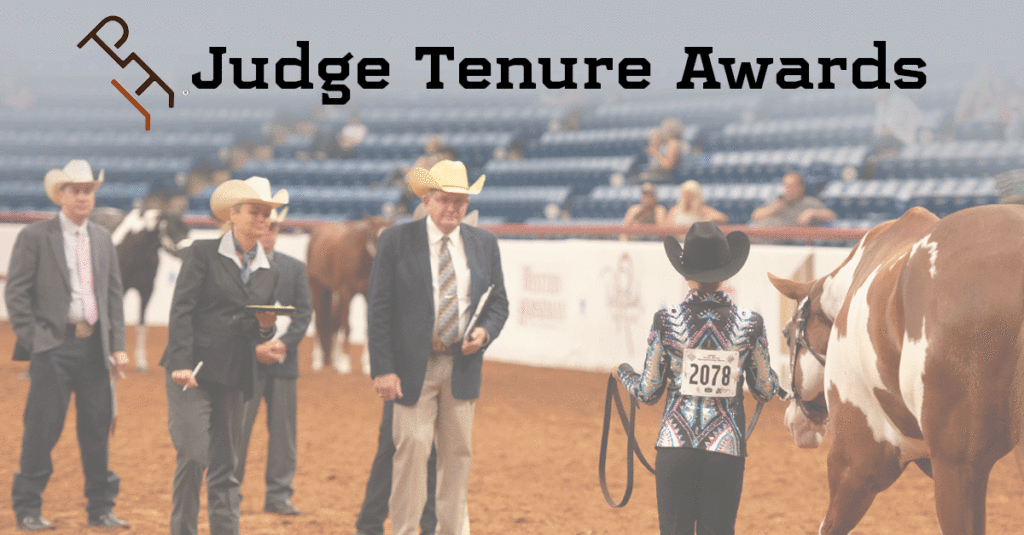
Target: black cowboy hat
[(707, 254)]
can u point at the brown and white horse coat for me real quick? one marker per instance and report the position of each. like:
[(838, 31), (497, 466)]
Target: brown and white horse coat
[(922, 329)]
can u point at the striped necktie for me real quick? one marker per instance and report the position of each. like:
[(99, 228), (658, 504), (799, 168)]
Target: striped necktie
[(447, 325)]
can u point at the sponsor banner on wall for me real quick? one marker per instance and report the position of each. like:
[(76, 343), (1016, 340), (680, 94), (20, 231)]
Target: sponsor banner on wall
[(588, 304)]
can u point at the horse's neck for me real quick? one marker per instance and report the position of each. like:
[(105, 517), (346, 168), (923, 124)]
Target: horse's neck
[(837, 284)]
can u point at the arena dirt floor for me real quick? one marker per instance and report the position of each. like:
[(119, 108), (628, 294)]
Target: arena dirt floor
[(536, 442)]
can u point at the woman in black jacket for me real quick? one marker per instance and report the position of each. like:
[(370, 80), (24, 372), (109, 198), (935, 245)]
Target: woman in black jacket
[(213, 341)]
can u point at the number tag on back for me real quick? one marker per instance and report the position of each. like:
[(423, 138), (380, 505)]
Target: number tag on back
[(710, 373)]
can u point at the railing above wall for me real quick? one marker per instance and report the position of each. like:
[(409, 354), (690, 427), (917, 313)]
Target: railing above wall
[(789, 235)]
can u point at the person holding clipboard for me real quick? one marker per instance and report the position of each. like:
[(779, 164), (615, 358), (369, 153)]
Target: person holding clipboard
[(214, 342), (428, 277)]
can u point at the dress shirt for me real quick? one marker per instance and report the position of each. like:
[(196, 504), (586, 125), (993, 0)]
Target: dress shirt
[(69, 230), (227, 248)]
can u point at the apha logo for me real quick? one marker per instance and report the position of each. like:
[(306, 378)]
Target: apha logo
[(124, 63)]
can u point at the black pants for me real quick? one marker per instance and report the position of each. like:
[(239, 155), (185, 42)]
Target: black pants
[(697, 486), (76, 366), (378, 487)]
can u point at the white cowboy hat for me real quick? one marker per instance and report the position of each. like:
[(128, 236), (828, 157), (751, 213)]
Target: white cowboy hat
[(75, 172), (251, 190), (277, 216), (445, 175)]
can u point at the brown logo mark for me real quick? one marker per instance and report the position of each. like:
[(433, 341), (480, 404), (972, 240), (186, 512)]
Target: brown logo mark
[(124, 63)]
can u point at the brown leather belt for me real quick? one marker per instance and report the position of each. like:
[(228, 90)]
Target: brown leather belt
[(82, 329)]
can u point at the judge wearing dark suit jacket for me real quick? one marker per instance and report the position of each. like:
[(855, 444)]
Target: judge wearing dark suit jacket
[(427, 279), (275, 382), (64, 301), (213, 344)]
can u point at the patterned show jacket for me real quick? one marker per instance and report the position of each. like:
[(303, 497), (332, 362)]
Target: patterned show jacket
[(710, 321)]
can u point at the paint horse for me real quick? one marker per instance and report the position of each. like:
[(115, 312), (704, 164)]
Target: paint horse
[(338, 260), (138, 236), (912, 350)]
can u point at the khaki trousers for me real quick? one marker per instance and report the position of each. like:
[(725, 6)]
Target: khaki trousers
[(437, 416)]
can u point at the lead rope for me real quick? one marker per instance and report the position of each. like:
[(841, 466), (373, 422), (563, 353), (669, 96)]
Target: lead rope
[(629, 425)]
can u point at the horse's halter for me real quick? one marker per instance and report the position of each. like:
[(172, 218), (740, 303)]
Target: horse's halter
[(813, 411)]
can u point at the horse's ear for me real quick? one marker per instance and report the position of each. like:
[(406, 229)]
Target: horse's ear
[(791, 289)]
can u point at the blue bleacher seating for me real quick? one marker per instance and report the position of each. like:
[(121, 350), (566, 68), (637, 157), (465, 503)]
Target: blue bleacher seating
[(336, 172), (516, 204), (582, 174)]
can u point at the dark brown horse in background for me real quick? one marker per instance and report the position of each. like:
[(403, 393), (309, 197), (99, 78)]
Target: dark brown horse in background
[(912, 351), (338, 261), (139, 235)]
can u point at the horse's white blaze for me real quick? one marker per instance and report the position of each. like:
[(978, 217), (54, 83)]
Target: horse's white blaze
[(933, 252), (853, 369), (912, 371), (806, 434), (812, 375)]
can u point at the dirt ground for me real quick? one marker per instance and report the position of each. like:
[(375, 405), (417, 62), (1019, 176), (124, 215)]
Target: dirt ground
[(536, 442)]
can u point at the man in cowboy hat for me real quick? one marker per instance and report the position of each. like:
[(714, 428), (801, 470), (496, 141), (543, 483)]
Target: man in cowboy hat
[(701, 445), (64, 298), (427, 280), (213, 345), (275, 382)]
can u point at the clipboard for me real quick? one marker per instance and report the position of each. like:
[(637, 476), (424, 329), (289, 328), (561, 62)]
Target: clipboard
[(476, 314), (277, 309)]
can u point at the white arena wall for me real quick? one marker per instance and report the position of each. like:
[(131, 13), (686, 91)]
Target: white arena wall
[(579, 304)]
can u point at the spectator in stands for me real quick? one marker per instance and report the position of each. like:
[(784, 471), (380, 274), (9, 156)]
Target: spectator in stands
[(989, 99), (690, 208), (647, 212), (352, 134), (897, 122), (793, 208), (664, 147), (431, 153)]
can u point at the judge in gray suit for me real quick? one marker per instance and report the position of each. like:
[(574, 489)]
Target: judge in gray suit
[(427, 279), (211, 326), (275, 382), (64, 300)]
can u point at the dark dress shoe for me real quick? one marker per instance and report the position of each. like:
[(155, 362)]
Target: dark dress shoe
[(34, 523), (108, 521), (281, 508)]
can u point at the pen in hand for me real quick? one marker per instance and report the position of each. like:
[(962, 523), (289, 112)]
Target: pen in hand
[(194, 372)]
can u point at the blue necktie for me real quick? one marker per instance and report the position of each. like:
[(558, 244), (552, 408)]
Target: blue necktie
[(247, 257)]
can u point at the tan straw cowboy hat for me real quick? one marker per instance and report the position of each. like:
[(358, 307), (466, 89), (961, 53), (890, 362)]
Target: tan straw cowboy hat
[(251, 190), (445, 175), (277, 216), (75, 172)]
